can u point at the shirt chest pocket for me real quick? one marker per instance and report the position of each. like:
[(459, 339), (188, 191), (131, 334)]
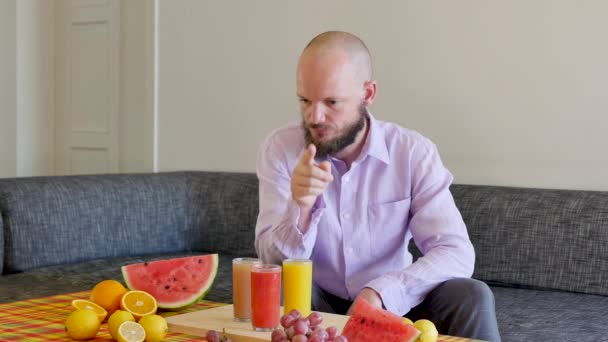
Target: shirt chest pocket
[(387, 223)]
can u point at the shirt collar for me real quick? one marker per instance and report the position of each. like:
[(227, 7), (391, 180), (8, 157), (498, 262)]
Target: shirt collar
[(375, 143)]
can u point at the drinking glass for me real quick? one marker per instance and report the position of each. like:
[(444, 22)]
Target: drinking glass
[(265, 296)]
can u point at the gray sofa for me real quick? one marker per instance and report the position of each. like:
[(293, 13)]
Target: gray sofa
[(544, 252)]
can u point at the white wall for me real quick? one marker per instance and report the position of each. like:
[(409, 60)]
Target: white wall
[(8, 88), (136, 58), (512, 92), (35, 87), (225, 79), (26, 88)]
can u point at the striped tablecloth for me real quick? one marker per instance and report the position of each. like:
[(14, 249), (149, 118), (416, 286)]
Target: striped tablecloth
[(42, 319)]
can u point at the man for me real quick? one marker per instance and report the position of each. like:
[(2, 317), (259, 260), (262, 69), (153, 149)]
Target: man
[(349, 192)]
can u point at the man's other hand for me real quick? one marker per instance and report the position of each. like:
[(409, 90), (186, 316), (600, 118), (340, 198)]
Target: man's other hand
[(370, 295), (308, 179)]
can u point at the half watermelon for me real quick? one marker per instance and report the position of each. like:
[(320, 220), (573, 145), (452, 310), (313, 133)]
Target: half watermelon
[(369, 323), (175, 283)]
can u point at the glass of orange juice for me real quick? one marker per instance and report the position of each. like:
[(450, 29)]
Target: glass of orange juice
[(241, 287), (297, 285)]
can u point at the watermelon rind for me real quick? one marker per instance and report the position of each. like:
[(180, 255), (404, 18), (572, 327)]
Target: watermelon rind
[(174, 305)]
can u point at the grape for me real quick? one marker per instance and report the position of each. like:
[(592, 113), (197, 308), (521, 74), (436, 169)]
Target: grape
[(321, 333), (290, 332), (315, 319), (299, 338), (305, 329), (301, 326), (295, 313), (316, 338), (287, 321), (332, 332), (213, 336), (278, 335)]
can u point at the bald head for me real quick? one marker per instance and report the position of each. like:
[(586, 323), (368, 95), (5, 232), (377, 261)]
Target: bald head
[(330, 43)]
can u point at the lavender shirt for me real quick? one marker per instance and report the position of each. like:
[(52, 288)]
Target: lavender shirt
[(397, 189)]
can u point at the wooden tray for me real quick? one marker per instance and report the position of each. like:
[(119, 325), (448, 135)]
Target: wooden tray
[(199, 322)]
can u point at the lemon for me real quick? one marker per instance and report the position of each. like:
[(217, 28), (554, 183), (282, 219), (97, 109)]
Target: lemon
[(407, 321), (116, 319), (130, 332), (428, 332), (155, 326), (82, 324)]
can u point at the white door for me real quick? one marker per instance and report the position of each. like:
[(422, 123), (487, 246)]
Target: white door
[(88, 87)]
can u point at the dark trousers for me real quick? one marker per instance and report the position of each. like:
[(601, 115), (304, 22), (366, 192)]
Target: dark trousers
[(458, 307)]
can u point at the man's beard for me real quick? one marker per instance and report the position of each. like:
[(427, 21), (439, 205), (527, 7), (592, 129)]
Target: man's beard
[(339, 143)]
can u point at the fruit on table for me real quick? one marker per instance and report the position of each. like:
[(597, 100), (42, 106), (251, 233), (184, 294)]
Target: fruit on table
[(428, 331), (175, 283), (87, 304), (138, 303), (305, 329), (214, 336), (107, 294), (155, 326), (116, 319), (131, 332), (369, 323), (82, 324)]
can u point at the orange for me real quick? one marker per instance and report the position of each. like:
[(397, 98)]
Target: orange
[(107, 294), (87, 304), (138, 303)]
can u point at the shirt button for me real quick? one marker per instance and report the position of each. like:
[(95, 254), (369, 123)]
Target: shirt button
[(346, 216), (350, 250), (346, 179)]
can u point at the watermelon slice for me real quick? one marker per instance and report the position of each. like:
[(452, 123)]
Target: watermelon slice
[(175, 283), (368, 323)]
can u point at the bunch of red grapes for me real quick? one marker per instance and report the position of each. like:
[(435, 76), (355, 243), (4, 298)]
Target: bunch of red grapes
[(214, 336), (305, 329)]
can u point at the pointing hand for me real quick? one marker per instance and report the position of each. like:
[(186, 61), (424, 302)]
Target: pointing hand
[(309, 179)]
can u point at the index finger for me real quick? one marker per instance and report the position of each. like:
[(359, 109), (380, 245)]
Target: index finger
[(308, 156)]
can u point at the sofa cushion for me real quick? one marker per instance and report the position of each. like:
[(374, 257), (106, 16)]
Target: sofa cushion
[(1, 244), (225, 207), (57, 220), (59, 279), (539, 238), (530, 315)]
